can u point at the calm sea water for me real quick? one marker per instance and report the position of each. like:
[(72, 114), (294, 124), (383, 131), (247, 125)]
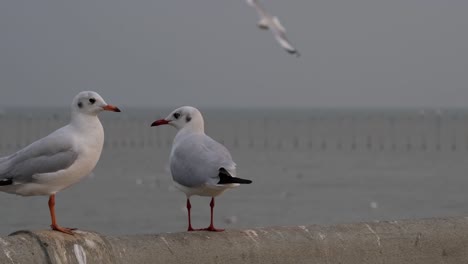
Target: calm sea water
[(307, 166)]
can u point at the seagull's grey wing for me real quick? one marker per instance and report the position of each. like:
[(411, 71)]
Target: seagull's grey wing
[(278, 25), (280, 35), (197, 159), (49, 154), (262, 13)]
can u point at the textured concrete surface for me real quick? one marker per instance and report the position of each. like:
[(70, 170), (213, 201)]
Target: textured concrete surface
[(410, 241)]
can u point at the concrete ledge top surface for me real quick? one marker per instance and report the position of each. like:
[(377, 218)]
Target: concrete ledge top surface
[(438, 240)]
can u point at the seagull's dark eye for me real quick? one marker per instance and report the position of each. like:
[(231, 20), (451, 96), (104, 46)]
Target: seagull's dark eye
[(176, 115), (92, 100)]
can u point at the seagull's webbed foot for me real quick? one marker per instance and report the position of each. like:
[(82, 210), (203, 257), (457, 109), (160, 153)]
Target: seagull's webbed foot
[(65, 230), (212, 229)]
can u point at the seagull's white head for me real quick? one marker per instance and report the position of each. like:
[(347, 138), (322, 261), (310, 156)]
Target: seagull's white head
[(91, 103), (183, 117), (263, 24)]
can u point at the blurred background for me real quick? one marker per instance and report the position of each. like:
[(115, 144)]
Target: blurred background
[(369, 124)]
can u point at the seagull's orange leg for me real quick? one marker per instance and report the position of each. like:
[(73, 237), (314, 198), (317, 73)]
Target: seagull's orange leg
[(54, 225), (189, 206), (211, 227)]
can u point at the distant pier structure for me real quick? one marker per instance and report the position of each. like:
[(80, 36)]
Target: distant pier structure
[(305, 130)]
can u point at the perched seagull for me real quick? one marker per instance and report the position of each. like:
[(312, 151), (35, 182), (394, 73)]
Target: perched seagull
[(199, 165), (268, 21), (60, 159)]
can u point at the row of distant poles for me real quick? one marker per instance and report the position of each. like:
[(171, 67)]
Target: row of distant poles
[(317, 133)]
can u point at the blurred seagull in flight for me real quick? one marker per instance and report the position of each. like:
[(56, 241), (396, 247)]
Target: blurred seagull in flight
[(272, 23)]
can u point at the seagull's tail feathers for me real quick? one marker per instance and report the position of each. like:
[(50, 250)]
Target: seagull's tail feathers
[(226, 178)]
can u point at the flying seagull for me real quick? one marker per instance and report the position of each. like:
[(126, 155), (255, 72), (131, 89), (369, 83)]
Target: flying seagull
[(272, 23), (60, 159), (199, 165)]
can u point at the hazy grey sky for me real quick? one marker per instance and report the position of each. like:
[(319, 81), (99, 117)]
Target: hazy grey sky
[(209, 53)]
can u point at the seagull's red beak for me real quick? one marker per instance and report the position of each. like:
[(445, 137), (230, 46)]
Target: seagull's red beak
[(111, 108), (160, 122)]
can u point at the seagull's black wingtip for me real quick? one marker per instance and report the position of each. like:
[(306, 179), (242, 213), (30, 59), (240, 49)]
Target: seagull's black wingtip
[(294, 52), (5, 182), (226, 178)]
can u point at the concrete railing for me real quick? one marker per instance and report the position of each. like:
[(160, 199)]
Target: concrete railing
[(410, 241)]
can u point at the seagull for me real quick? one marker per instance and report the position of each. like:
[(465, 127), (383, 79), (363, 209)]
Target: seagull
[(272, 23), (199, 165), (60, 159)]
